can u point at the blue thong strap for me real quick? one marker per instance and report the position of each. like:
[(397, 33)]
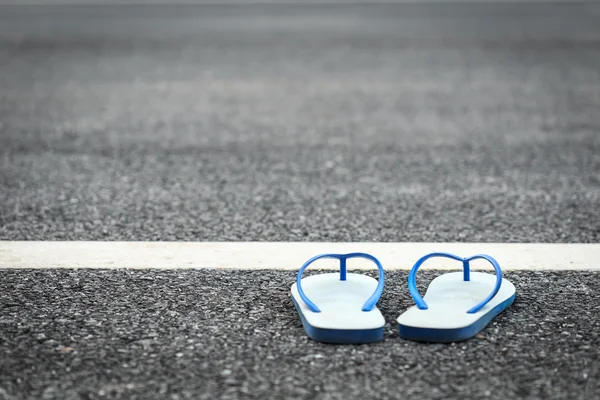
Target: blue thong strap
[(412, 284), (371, 301)]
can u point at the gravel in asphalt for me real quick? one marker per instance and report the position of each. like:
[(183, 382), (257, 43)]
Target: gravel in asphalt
[(206, 334), (381, 122)]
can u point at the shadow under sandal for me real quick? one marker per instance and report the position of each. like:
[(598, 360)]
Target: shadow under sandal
[(340, 308), (456, 305)]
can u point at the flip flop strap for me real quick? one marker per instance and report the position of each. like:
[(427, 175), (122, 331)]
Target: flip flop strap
[(369, 304), (412, 284)]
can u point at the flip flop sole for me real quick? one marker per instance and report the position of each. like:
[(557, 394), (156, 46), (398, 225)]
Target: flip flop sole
[(449, 297), (339, 336), (340, 318), (455, 334)]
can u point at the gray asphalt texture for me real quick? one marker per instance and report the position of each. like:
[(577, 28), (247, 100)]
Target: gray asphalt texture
[(202, 334), (379, 122)]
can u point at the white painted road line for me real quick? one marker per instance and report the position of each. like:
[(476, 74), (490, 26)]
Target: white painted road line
[(285, 255)]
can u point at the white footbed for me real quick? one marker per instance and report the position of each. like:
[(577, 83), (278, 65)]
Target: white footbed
[(449, 297), (340, 302)]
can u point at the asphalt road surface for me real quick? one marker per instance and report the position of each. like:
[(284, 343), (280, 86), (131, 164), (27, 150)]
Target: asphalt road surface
[(235, 334), (388, 122)]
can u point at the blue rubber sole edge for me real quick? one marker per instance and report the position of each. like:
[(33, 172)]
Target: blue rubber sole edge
[(453, 335), (339, 336)]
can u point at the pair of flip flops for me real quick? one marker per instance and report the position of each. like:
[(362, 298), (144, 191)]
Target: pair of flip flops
[(342, 308)]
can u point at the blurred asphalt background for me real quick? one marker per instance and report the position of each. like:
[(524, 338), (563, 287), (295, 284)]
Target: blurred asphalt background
[(339, 122), (388, 122)]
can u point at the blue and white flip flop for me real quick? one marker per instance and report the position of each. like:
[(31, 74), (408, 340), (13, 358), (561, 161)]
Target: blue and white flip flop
[(340, 308), (452, 309)]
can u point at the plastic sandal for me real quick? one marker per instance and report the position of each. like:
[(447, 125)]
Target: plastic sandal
[(452, 309), (340, 308)]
